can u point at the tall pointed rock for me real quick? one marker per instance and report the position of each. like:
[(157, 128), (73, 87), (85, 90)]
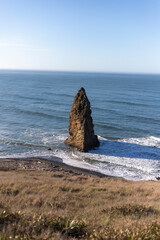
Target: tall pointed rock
[(81, 127)]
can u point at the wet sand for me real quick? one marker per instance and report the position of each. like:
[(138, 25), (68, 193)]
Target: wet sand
[(41, 164)]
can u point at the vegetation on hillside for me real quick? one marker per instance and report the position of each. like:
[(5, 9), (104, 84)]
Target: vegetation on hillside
[(45, 205)]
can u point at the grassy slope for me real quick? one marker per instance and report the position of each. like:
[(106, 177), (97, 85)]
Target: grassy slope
[(47, 203)]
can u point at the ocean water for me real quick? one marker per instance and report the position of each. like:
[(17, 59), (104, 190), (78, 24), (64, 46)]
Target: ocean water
[(35, 107)]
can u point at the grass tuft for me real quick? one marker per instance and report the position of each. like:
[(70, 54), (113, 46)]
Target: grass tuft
[(20, 226), (9, 191), (150, 232), (131, 210)]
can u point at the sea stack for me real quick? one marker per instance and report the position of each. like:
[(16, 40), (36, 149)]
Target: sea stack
[(81, 128)]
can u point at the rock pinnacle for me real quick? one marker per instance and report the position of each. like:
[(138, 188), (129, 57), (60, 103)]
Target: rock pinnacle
[(81, 128)]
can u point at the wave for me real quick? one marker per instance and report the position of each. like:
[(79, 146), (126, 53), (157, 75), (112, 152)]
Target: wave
[(146, 141), (118, 114), (129, 103), (32, 139), (41, 114), (134, 158), (30, 98), (65, 95), (103, 125), (142, 118), (111, 166)]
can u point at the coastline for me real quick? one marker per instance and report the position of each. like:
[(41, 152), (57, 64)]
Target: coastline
[(41, 164)]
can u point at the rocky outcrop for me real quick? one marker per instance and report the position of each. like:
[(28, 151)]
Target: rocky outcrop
[(81, 127)]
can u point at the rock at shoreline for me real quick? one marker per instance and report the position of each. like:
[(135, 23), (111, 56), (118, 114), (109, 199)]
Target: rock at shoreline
[(81, 128)]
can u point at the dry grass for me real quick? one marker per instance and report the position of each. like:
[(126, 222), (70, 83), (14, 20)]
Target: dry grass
[(99, 208)]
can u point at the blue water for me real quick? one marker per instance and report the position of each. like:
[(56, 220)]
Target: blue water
[(35, 109)]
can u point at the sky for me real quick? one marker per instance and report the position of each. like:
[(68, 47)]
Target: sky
[(80, 35)]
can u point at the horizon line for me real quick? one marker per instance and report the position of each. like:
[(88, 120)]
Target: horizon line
[(78, 71)]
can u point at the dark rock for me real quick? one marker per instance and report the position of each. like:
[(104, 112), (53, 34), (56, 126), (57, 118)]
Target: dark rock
[(81, 128)]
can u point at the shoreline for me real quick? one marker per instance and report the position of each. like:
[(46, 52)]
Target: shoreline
[(42, 164), (55, 164)]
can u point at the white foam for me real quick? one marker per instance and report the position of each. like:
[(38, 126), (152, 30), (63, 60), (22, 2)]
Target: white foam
[(112, 166), (61, 137), (145, 141), (134, 158)]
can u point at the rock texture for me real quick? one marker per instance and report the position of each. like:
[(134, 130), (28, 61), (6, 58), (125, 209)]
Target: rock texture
[(81, 127)]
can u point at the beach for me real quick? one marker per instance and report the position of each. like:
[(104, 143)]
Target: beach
[(40, 164)]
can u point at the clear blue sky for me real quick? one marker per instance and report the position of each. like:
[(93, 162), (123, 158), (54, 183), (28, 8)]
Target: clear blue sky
[(80, 35)]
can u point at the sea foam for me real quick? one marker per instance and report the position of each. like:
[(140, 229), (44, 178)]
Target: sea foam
[(122, 158)]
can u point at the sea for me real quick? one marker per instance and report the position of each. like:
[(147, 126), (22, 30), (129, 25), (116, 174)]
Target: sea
[(34, 117)]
